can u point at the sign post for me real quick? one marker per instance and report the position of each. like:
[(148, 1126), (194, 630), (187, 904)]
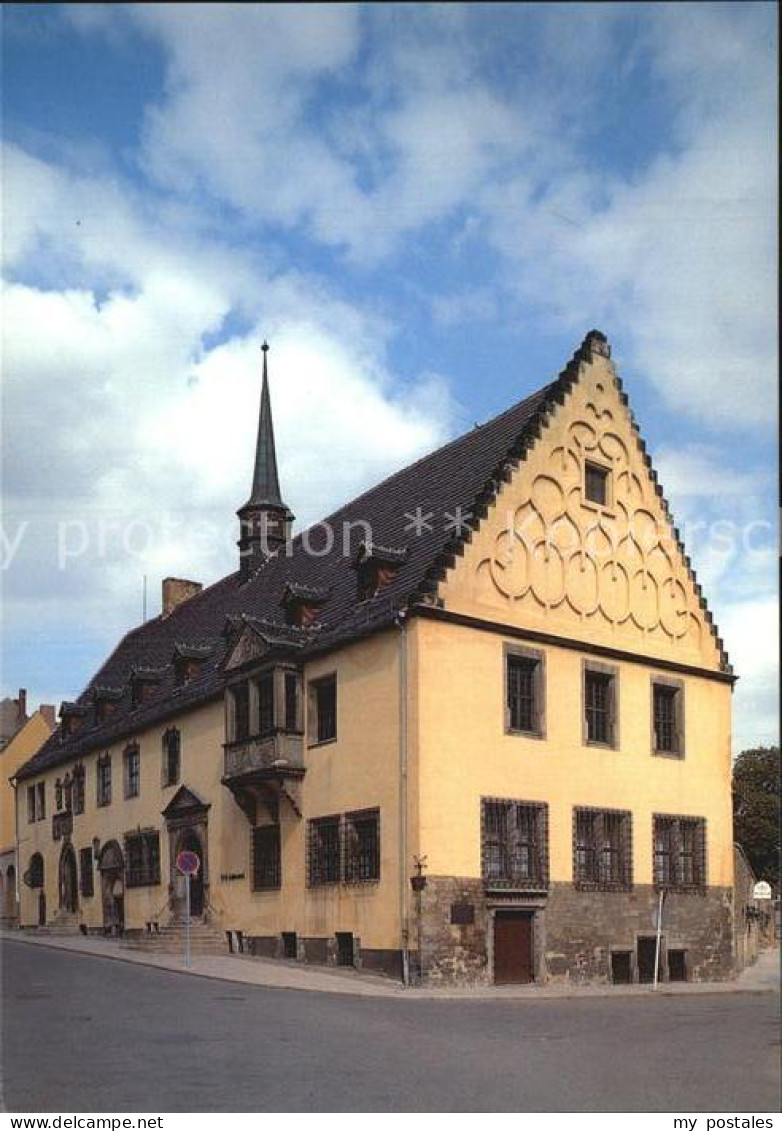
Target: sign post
[(658, 939), (188, 864)]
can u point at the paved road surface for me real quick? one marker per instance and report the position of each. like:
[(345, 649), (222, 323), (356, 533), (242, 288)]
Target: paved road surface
[(90, 1035)]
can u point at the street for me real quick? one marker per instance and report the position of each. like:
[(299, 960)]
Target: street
[(86, 1034)]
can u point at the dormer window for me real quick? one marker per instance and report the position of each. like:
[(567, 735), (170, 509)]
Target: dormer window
[(143, 684), (188, 661), (376, 566), (71, 718), (105, 700), (302, 603)]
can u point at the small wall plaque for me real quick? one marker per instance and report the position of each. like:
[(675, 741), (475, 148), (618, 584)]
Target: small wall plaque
[(463, 914)]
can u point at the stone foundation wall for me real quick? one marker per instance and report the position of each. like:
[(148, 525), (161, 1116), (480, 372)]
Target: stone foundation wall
[(451, 951), (583, 928), (574, 932)]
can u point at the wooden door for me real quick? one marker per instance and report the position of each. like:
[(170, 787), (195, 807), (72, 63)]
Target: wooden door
[(513, 947)]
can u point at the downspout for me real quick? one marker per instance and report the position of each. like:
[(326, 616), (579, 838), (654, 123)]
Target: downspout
[(401, 623), (17, 890)]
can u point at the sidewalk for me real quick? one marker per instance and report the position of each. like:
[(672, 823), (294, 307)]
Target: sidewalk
[(763, 977)]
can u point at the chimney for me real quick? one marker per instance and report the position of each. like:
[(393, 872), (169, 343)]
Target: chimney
[(48, 712), (177, 590), (21, 706)]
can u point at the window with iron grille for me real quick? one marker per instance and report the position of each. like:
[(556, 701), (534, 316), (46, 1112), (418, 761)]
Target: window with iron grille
[(596, 484), (67, 793), (142, 858), (172, 746), (679, 852), (668, 717), (323, 694), (103, 780), (362, 846), (58, 796), (132, 760), (324, 857), (514, 843), (266, 704), (602, 849), (525, 691), (85, 872), (79, 783), (266, 858), (40, 801), (600, 712)]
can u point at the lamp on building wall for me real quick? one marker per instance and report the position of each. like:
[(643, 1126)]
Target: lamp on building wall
[(418, 881)]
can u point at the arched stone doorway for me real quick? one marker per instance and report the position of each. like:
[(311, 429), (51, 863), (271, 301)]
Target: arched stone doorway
[(111, 865), (189, 841), (187, 824), (68, 880)]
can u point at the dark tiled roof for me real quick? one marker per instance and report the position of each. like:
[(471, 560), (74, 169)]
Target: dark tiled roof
[(459, 478)]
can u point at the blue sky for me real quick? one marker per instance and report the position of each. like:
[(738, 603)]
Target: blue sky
[(424, 209)]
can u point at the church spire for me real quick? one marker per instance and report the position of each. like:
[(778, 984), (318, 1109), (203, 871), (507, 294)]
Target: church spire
[(265, 520)]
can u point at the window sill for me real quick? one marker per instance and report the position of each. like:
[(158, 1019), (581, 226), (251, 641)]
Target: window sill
[(601, 745), (321, 742), (682, 889), (539, 735), (599, 508), (675, 755), (272, 889)]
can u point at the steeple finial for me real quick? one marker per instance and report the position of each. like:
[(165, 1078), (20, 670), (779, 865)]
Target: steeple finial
[(266, 483), (265, 519)]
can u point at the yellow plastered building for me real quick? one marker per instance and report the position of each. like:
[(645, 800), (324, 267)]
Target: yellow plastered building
[(473, 727)]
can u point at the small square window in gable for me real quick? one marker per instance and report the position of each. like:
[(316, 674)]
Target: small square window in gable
[(597, 484)]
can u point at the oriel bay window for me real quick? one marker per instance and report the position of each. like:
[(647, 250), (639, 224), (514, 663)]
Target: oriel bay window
[(263, 705), (142, 858), (266, 862), (525, 691), (514, 843), (679, 852), (668, 717), (602, 849), (601, 696)]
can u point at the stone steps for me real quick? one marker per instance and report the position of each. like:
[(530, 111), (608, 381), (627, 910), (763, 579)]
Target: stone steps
[(205, 938)]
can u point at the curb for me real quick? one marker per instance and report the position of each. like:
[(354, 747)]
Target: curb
[(397, 992)]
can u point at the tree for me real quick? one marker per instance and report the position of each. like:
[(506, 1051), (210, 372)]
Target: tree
[(756, 809)]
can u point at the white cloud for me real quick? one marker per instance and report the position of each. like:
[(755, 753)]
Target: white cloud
[(752, 627), (133, 440)]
